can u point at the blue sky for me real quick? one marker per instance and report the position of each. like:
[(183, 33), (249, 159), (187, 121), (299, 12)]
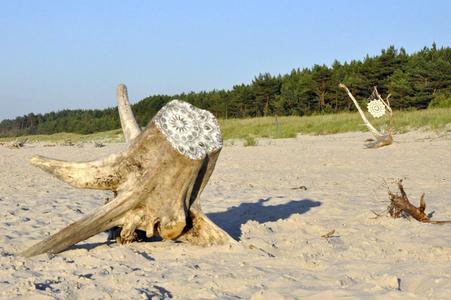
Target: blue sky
[(72, 54)]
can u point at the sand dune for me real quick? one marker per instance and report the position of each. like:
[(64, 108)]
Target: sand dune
[(277, 199)]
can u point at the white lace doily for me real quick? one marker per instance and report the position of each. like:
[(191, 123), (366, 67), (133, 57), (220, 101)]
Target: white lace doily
[(376, 108), (191, 131)]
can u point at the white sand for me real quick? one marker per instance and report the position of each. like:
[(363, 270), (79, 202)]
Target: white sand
[(254, 195)]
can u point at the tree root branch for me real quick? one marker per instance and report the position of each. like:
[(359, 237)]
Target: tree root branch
[(400, 205)]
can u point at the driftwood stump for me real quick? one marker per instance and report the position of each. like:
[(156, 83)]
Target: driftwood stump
[(157, 180)]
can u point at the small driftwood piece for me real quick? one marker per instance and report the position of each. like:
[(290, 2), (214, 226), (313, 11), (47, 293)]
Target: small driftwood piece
[(399, 204), (381, 138), (156, 181), (99, 144), (329, 234), (68, 143), (17, 144)]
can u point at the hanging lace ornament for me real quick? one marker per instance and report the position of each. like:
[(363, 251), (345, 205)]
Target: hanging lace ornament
[(376, 108)]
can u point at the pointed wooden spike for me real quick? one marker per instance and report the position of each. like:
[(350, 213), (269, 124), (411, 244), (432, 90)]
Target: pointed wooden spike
[(99, 174), (102, 219), (422, 207), (129, 125), (370, 127)]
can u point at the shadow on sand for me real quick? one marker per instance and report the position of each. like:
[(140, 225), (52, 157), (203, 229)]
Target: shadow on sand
[(232, 219)]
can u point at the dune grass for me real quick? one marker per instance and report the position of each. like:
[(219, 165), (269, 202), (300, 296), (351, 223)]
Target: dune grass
[(111, 136), (288, 127), (285, 127)]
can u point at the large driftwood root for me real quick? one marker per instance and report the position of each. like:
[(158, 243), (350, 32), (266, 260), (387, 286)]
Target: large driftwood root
[(156, 181), (400, 204)]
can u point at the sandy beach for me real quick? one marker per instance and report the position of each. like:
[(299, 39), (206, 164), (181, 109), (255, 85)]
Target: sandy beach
[(277, 199)]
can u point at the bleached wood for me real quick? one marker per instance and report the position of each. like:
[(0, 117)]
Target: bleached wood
[(370, 127), (129, 125), (99, 174), (157, 181), (102, 219), (382, 138), (202, 231)]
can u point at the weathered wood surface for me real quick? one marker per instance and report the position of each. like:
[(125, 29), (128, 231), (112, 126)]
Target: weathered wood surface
[(157, 180), (129, 125), (399, 203), (381, 138)]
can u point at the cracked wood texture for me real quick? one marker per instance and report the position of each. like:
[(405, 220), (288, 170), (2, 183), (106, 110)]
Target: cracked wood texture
[(156, 181)]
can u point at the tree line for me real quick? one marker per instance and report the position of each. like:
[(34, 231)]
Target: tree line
[(416, 81)]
